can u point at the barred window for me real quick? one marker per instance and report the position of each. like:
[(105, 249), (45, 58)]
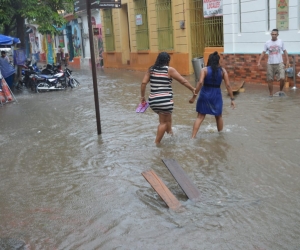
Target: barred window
[(164, 24), (109, 31), (142, 32)]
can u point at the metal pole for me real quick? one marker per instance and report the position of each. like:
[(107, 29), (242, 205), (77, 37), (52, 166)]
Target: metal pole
[(294, 72), (94, 74)]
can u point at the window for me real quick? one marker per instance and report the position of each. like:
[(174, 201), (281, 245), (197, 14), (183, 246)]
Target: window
[(164, 24), (239, 17), (268, 15), (142, 32), (109, 31)]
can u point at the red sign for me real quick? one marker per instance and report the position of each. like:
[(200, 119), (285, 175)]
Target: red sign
[(96, 31)]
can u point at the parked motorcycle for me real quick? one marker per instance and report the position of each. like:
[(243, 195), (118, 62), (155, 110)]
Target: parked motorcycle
[(30, 67), (58, 81), (51, 69), (72, 82)]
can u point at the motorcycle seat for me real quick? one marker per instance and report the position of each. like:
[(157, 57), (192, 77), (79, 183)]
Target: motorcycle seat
[(46, 76)]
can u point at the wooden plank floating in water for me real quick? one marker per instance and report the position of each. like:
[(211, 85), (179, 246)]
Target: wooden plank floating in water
[(161, 189), (236, 86), (188, 187)]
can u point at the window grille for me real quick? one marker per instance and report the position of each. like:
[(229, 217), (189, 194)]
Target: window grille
[(142, 32), (164, 24), (109, 31), (205, 32)]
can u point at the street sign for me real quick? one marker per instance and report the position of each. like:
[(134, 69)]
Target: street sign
[(80, 5), (105, 4)]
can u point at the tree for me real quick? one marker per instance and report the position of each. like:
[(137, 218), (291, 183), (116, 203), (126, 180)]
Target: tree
[(41, 12)]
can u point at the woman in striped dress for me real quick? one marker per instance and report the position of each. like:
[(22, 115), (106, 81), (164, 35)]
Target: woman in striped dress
[(160, 76)]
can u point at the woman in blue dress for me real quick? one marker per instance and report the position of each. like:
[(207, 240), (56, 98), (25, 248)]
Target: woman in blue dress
[(210, 99), (160, 76)]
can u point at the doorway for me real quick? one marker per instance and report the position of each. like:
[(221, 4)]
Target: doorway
[(205, 32)]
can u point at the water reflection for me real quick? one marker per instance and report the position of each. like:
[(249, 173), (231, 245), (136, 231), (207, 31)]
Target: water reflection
[(65, 187)]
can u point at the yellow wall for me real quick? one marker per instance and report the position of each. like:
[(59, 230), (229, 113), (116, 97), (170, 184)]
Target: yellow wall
[(209, 50), (126, 55)]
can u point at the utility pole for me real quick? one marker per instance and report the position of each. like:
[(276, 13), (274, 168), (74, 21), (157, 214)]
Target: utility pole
[(94, 73), (106, 4)]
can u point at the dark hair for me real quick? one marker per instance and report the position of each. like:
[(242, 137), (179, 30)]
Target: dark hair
[(276, 30), (213, 62), (162, 59), (3, 52)]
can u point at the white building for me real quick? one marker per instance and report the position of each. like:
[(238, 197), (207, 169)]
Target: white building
[(247, 26)]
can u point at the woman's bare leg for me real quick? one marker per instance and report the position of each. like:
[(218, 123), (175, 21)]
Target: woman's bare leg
[(219, 121), (168, 120), (165, 125), (197, 124)]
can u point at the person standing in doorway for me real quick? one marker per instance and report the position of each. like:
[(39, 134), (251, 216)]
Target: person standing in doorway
[(275, 47)]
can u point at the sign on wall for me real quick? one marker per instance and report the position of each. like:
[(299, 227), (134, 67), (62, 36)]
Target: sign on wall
[(212, 8), (138, 19), (96, 31), (282, 14)]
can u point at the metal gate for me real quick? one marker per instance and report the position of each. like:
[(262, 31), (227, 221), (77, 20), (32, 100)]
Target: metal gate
[(205, 32)]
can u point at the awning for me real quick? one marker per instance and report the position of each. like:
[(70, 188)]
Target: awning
[(8, 40)]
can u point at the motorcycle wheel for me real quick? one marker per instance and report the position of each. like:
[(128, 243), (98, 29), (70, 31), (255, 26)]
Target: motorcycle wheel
[(76, 83), (42, 87), (32, 85), (71, 83)]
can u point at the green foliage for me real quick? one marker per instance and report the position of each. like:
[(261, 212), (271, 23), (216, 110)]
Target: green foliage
[(41, 12)]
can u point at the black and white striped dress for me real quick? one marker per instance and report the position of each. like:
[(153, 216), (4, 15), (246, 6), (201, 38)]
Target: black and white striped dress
[(161, 93)]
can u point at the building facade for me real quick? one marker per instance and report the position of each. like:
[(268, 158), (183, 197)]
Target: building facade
[(248, 25), (137, 32)]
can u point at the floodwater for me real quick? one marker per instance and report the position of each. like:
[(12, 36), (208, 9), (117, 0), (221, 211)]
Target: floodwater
[(65, 187)]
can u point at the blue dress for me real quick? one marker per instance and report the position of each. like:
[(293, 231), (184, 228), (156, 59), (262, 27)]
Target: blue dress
[(210, 99)]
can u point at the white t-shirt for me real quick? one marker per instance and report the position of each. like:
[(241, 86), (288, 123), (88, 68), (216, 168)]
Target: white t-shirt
[(275, 49)]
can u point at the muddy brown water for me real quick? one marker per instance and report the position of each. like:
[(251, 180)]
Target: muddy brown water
[(65, 187)]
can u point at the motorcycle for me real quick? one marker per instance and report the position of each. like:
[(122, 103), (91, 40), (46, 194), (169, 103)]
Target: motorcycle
[(30, 67), (72, 82), (51, 69), (58, 81)]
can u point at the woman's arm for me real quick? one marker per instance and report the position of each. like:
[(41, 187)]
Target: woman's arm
[(173, 73), (145, 81), (228, 87), (199, 84)]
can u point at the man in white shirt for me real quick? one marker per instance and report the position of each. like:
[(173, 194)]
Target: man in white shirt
[(3, 54), (275, 66)]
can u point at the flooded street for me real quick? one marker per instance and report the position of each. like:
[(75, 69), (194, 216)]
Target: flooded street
[(65, 187)]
